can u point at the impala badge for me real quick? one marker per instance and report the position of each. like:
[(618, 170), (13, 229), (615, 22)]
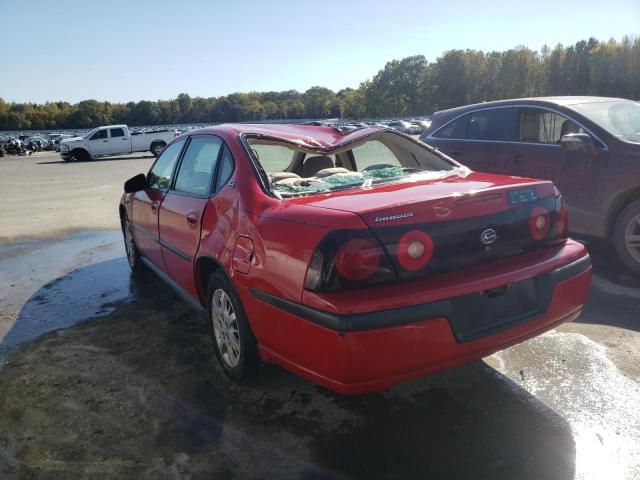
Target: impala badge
[(393, 217), (488, 236)]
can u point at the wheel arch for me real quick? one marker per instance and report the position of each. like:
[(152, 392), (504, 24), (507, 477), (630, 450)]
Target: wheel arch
[(81, 149), (618, 204), (206, 266)]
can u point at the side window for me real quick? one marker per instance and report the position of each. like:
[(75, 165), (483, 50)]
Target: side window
[(542, 126), (117, 132), (374, 152), (198, 164), (455, 130), (225, 170), (273, 158), (99, 135), (160, 175), (495, 124)]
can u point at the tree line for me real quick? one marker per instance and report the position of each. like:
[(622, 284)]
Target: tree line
[(407, 87)]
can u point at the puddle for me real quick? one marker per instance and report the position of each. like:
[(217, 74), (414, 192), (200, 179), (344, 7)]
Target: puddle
[(54, 283), (573, 376)]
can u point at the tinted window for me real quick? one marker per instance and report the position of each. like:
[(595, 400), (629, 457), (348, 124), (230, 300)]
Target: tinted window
[(455, 129), (117, 132), (374, 153), (225, 170), (160, 175), (198, 164), (497, 124), (99, 134), (543, 126)]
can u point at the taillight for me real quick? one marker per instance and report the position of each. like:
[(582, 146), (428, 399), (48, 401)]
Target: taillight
[(358, 259), (414, 250), (347, 259), (539, 223)]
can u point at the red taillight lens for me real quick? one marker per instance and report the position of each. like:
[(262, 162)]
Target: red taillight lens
[(358, 259), (347, 259), (415, 250), (539, 223)]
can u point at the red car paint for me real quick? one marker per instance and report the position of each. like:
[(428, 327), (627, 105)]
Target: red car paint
[(265, 244)]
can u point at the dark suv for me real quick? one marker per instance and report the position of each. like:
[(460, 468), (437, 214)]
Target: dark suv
[(588, 146)]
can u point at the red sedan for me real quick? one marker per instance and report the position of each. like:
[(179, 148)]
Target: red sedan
[(356, 260)]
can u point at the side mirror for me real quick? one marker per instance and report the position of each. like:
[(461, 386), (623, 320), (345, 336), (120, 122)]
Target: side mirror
[(135, 184), (578, 142)]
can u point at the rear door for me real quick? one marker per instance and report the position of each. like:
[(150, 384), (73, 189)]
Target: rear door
[(120, 142), (99, 143), (183, 206), (146, 204), (478, 139)]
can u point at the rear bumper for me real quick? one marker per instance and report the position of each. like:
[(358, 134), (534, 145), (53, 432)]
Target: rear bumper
[(361, 352)]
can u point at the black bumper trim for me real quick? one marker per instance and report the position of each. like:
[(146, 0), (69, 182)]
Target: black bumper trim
[(404, 315)]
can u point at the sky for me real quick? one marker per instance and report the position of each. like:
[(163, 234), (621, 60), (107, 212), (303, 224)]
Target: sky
[(148, 50)]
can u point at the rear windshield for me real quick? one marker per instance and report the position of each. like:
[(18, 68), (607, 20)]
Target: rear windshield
[(380, 158)]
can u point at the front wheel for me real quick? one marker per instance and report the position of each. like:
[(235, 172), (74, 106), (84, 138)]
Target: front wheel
[(81, 155), (133, 256), (235, 345), (626, 236)]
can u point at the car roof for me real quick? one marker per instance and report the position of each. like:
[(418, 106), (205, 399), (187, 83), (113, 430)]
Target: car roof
[(309, 136), (562, 101)]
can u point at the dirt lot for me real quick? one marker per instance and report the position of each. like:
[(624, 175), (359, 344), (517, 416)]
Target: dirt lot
[(108, 375)]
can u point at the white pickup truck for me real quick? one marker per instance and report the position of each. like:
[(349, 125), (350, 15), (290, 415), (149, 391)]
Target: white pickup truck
[(113, 140)]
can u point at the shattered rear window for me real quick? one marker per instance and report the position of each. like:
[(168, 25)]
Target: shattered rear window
[(379, 158)]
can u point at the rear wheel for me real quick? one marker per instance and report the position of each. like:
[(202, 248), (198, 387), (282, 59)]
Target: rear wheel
[(235, 345), (626, 236), (157, 148)]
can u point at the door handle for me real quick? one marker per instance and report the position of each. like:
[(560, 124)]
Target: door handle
[(105, 140), (455, 152), (518, 158), (154, 207), (192, 218)]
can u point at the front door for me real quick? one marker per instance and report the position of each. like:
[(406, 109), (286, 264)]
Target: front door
[(540, 155), (99, 143), (146, 204), (183, 207)]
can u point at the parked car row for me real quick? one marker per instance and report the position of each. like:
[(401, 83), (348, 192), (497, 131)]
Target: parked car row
[(588, 146)]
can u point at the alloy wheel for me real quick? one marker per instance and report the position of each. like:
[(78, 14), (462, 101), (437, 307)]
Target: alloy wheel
[(632, 237), (225, 328), (129, 244)]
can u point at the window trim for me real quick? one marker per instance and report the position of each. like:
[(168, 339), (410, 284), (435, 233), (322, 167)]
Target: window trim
[(603, 146), (107, 136), (211, 191), (173, 172), (214, 190)]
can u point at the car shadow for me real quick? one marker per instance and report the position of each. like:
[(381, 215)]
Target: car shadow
[(614, 299), (109, 159), (136, 390)]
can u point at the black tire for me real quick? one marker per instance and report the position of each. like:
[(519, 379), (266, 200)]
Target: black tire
[(81, 155), (248, 359), (156, 148), (132, 253), (628, 223)]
